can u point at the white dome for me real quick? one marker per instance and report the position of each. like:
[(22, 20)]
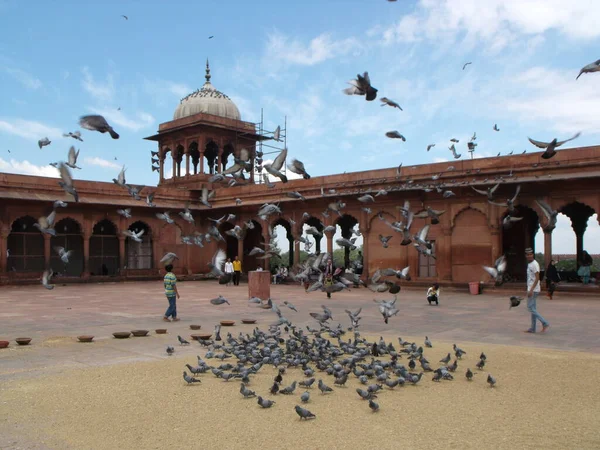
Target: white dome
[(207, 100)]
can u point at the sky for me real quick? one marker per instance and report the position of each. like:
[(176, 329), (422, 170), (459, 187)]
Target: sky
[(61, 60)]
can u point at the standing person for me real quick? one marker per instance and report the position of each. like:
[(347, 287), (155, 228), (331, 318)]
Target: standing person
[(229, 271), (237, 271), (533, 290), (552, 277), (170, 282), (585, 267)]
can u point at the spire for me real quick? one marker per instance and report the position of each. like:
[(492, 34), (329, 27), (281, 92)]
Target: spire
[(207, 72)]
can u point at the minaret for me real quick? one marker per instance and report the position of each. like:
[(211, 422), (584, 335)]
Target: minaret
[(207, 76)]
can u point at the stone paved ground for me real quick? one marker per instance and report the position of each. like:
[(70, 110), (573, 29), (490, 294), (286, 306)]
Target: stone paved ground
[(57, 316)]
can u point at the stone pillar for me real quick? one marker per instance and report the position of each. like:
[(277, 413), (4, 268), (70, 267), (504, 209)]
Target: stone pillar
[(579, 224), (161, 163), (4, 232), (219, 169), (187, 164), (291, 250), (47, 250), (240, 251), (296, 253), (444, 254), (266, 238), (174, 158), (547, 248), (329, 238), (365, 233), (122, 258), (201, 162), (496, 234), (86, 254)]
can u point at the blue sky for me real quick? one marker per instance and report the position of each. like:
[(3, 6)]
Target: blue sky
[(58, 62)]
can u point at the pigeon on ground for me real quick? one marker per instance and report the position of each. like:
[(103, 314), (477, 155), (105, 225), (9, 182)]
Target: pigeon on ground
[(170, 350), (593, 67), (97, 123), (188, 379), (551, 146), (491, 380), (481, 364), (305, 397), (247, 393), (304, 413), (469, 375), (428, 342), (447, 359), (264, 403), (388, 102), (324, 388), (374, 406), (182, 341), (362, 86)]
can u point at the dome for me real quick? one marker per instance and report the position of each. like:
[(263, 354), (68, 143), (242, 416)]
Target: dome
[(207, 100)]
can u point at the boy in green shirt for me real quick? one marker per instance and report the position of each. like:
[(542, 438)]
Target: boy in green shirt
[(172, 294)]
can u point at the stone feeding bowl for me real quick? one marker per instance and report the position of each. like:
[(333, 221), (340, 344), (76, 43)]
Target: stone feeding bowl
[(195, 327), (23, 340), (140, 333), (4, 344), (85, 338), (161, 331), (122, 334), (203, 336), (248, 321), (227, 323)]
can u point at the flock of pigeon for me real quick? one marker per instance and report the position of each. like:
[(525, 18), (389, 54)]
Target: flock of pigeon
[(301, 356)]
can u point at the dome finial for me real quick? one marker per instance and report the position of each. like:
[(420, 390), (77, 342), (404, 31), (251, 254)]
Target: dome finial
[(207, 71)]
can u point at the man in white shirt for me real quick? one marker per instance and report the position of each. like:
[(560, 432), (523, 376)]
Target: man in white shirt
[(229, 270), (533, 290)]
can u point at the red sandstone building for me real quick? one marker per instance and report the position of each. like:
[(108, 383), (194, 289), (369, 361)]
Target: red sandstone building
[(207, 132)]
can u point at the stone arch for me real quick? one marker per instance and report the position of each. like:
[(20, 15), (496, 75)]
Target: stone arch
[(211, 153), (228, 150), (254, 238), (194, 154), (139, 255), (579, 213), (104, 249), (389, 216), (69, 235), (287, 226), (25, 245), (230, 245), (517, 238), (167, 162), (344, 226), (465, 208), (471, 245), (313, 221), (178, 158)]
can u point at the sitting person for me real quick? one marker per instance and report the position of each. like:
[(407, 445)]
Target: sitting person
[(278, 275), (433, 294)]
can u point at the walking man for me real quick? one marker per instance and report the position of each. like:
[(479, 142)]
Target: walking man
[(229, 271), (533, 290), (172, 294), (237, 271)]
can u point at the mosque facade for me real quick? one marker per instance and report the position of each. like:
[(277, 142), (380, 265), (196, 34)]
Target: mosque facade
[(207, 136)]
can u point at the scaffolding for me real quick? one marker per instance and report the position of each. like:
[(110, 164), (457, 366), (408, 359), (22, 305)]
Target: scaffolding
[(263, 149)]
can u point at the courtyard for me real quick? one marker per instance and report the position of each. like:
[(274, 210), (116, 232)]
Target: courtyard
[(59, 393)]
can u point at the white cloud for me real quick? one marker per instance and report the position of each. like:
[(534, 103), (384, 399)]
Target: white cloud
[(118, 118), (26, 79), (95, 161), (100, 91), (497, 23), (293, 51), (27, 168), (29, 129)]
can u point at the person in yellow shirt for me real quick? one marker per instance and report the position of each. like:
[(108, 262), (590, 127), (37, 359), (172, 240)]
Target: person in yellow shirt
[(237, 271)]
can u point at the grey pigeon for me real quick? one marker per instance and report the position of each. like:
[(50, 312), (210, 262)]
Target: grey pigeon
[(305, 397), (469, 375), (289, 305), (395, 135), (551, 146), (491, 380), (362, 86), (97, 123), (446, 360), (219, 300), (388, 102), (264, 403), (43, 142), (324, 388), (188, 379), (304, 413), (428, 342), (46, 279), (515, 301), (593, 67), (247, 393), (297, 167), (182, 341), (67, 181), (374, 406), (74, 135), (170, 350)]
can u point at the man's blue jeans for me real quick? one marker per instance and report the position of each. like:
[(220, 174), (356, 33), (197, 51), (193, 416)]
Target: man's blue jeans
[(535, 316), (172, 309)]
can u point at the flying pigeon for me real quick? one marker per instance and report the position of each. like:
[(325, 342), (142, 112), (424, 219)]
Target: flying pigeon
[(388, 102), (43, 142), (67, 181), (551, 146), (219, 300), (274, 168), (124, 212), (593, 67), (497, 272), (430, 146), (46, 279), (395, 135), (466, 64), (63, 254), (168, 258), (97, 123), (135, 235), (361, 86), (74, 135), (551, 215), (297, 167), (515, 301)]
